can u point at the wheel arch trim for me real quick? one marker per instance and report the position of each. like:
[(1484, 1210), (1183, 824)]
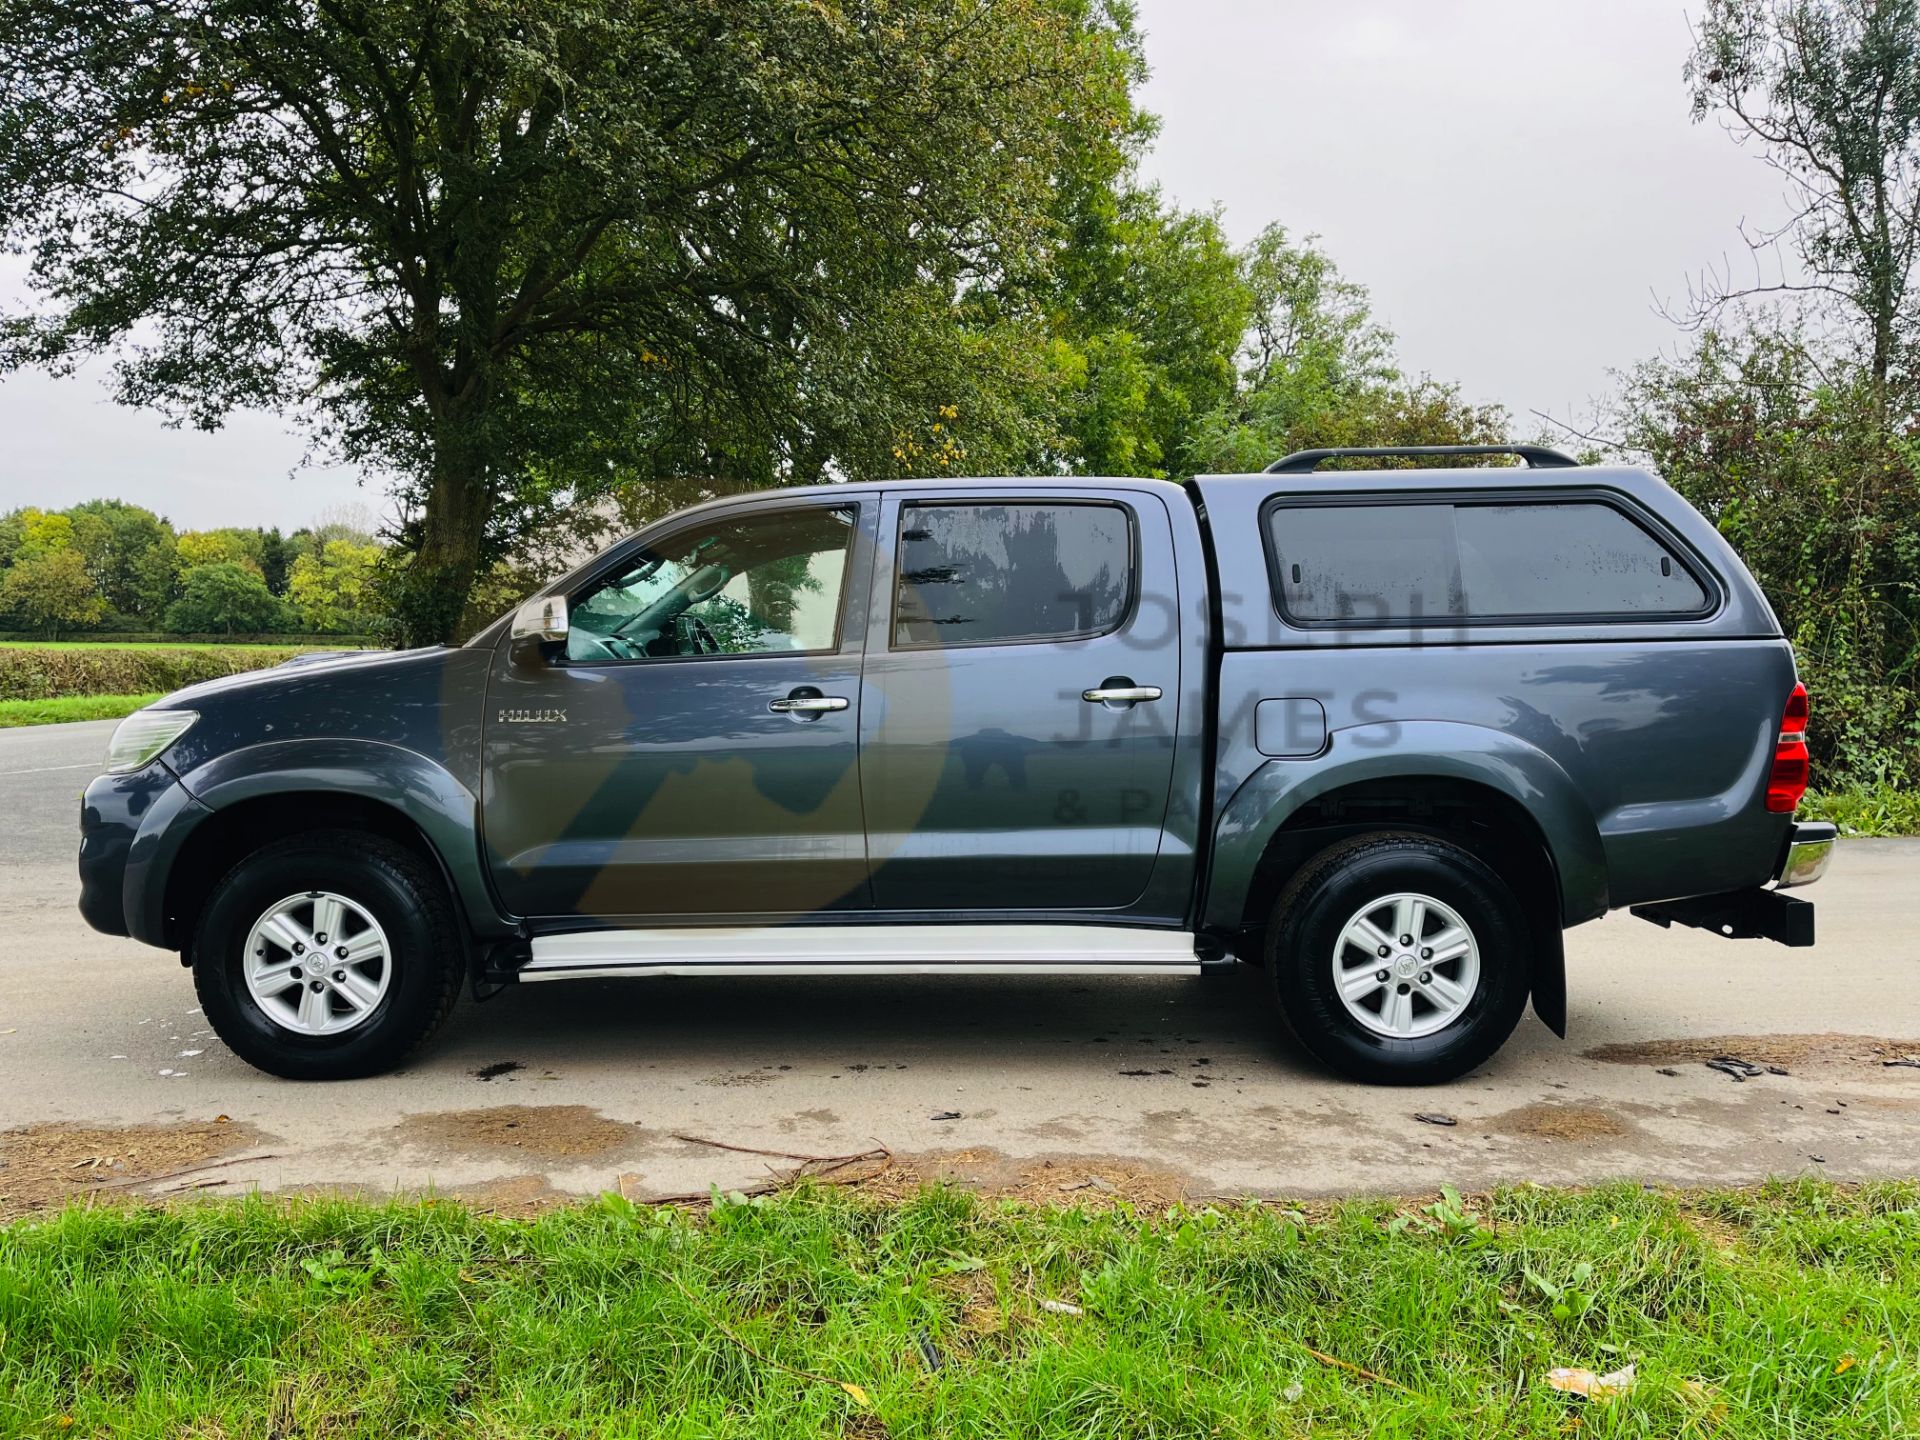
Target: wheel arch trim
[(418, 792)]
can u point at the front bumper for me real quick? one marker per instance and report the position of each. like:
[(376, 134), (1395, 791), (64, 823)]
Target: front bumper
[(1760, 914), (125, 822)]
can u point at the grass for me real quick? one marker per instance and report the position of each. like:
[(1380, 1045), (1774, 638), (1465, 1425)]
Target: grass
[(1792, 1310), (70, 707), (1866, 810)]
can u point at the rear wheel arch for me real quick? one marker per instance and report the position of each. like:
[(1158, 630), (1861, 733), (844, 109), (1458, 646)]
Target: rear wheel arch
[(1486, 822), (1399, 957)]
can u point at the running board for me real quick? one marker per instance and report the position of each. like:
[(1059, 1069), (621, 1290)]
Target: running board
[(865, 950)]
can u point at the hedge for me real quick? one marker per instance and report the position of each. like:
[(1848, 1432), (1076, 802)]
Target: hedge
[(46, 674), (162, 637)]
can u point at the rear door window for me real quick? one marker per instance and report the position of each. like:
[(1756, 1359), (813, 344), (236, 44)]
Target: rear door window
[(1531, 561), (1008, 572)]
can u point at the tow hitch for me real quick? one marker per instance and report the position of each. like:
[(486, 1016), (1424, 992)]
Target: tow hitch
[(1759, 914)]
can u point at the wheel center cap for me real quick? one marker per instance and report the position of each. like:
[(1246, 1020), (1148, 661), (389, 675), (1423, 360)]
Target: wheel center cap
[(1405, 966), (316, 963)]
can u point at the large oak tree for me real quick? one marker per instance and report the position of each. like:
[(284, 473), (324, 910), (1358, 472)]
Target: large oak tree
[(506, 250)]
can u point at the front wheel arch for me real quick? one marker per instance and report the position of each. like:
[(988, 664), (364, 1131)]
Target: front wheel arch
[(225, 837)]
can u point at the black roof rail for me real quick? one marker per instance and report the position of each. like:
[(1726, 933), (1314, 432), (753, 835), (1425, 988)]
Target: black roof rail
[(1302, 462)]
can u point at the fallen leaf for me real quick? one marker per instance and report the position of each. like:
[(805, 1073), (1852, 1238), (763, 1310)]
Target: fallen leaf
[(1434, 1117), (1846, 1364), (1573, 1380), (860, 1396)]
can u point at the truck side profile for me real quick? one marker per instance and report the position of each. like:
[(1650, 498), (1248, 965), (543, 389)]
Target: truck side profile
[(1386, 733)]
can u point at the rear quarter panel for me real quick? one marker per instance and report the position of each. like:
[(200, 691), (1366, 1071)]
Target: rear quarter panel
[(1642, 747)]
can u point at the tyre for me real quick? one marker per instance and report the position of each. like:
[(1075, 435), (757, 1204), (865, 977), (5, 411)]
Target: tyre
[(328, 956), (1399, 959)]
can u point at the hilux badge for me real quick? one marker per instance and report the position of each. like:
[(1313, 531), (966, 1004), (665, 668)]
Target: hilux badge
[(533, 717)]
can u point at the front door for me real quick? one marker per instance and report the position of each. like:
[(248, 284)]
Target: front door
[(991, 780), (693, 753)]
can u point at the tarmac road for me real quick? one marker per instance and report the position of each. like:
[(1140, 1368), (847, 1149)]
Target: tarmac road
[(1186, 1084)]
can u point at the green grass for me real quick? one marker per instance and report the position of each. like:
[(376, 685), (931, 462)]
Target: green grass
[(1867, 810), (1790, 1311), (70, 707)]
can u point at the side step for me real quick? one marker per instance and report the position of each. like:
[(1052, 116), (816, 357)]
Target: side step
[(865, 950)]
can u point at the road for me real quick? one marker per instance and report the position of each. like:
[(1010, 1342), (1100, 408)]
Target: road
[(1169, 1086)]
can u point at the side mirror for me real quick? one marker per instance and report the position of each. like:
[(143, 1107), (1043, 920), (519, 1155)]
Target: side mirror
[(539, 629)]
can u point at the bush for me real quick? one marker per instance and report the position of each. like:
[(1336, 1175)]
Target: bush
[(225, 596), (43, 674), (1866, 810), (1789, 454)]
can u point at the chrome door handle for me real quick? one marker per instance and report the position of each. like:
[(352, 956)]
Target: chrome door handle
[(1120, 694), (808, 704)]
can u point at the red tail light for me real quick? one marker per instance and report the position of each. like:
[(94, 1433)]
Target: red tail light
[(1791, 768)]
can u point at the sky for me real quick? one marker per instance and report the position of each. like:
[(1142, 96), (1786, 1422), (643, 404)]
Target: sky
[(1516, 182)]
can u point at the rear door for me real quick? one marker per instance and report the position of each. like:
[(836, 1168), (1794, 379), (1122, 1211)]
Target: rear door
[(991, 781)]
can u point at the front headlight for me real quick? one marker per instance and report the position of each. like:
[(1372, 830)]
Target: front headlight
[(143, 735)]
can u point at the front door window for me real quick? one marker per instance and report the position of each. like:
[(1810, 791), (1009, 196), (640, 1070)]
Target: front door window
[(760, 585)]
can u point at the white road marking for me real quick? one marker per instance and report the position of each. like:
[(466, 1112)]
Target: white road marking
[(47, 769)]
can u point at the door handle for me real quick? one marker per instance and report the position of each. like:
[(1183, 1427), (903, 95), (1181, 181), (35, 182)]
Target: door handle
[(1120, 694), (807, 704)]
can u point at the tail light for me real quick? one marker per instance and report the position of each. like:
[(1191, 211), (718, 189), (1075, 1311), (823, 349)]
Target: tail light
[(1791, 768)]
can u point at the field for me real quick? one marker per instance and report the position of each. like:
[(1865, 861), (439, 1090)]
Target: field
[(70, 707), (1792, 1310)]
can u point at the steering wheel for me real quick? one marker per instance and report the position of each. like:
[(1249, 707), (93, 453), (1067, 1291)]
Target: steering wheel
[(695, 629), (583, 645)]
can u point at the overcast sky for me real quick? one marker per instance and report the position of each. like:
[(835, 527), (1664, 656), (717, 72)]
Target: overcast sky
[(1515, 182)]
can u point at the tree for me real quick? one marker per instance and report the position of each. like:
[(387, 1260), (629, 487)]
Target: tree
[(227, 598), (1317, 369), (277, 555), (509, 250), (1830, 90), (51, 591), (156, 579), (231, 546), (334, 591), (1783, 448), (1153, 303), (114, 539)]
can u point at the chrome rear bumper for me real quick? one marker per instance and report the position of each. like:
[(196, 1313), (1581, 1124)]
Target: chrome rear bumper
[(1809, 852)]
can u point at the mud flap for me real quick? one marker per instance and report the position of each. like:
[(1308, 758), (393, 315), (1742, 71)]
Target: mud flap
[(1550, 981)]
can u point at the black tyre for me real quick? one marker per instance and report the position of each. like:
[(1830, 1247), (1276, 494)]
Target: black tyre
[(1399, 959), (328, 956)]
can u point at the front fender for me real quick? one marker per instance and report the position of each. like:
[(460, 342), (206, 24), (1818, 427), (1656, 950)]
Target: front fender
[(1393, 749), (402, 780)]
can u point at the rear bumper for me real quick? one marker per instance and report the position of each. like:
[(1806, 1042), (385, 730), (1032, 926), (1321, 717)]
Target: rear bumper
[(1759, 914), (1809, 852)]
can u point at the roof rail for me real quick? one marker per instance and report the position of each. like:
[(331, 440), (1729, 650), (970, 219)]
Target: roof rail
[(1302, 462)]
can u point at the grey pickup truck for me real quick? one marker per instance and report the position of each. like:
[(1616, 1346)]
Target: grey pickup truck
[(1384, 732)]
